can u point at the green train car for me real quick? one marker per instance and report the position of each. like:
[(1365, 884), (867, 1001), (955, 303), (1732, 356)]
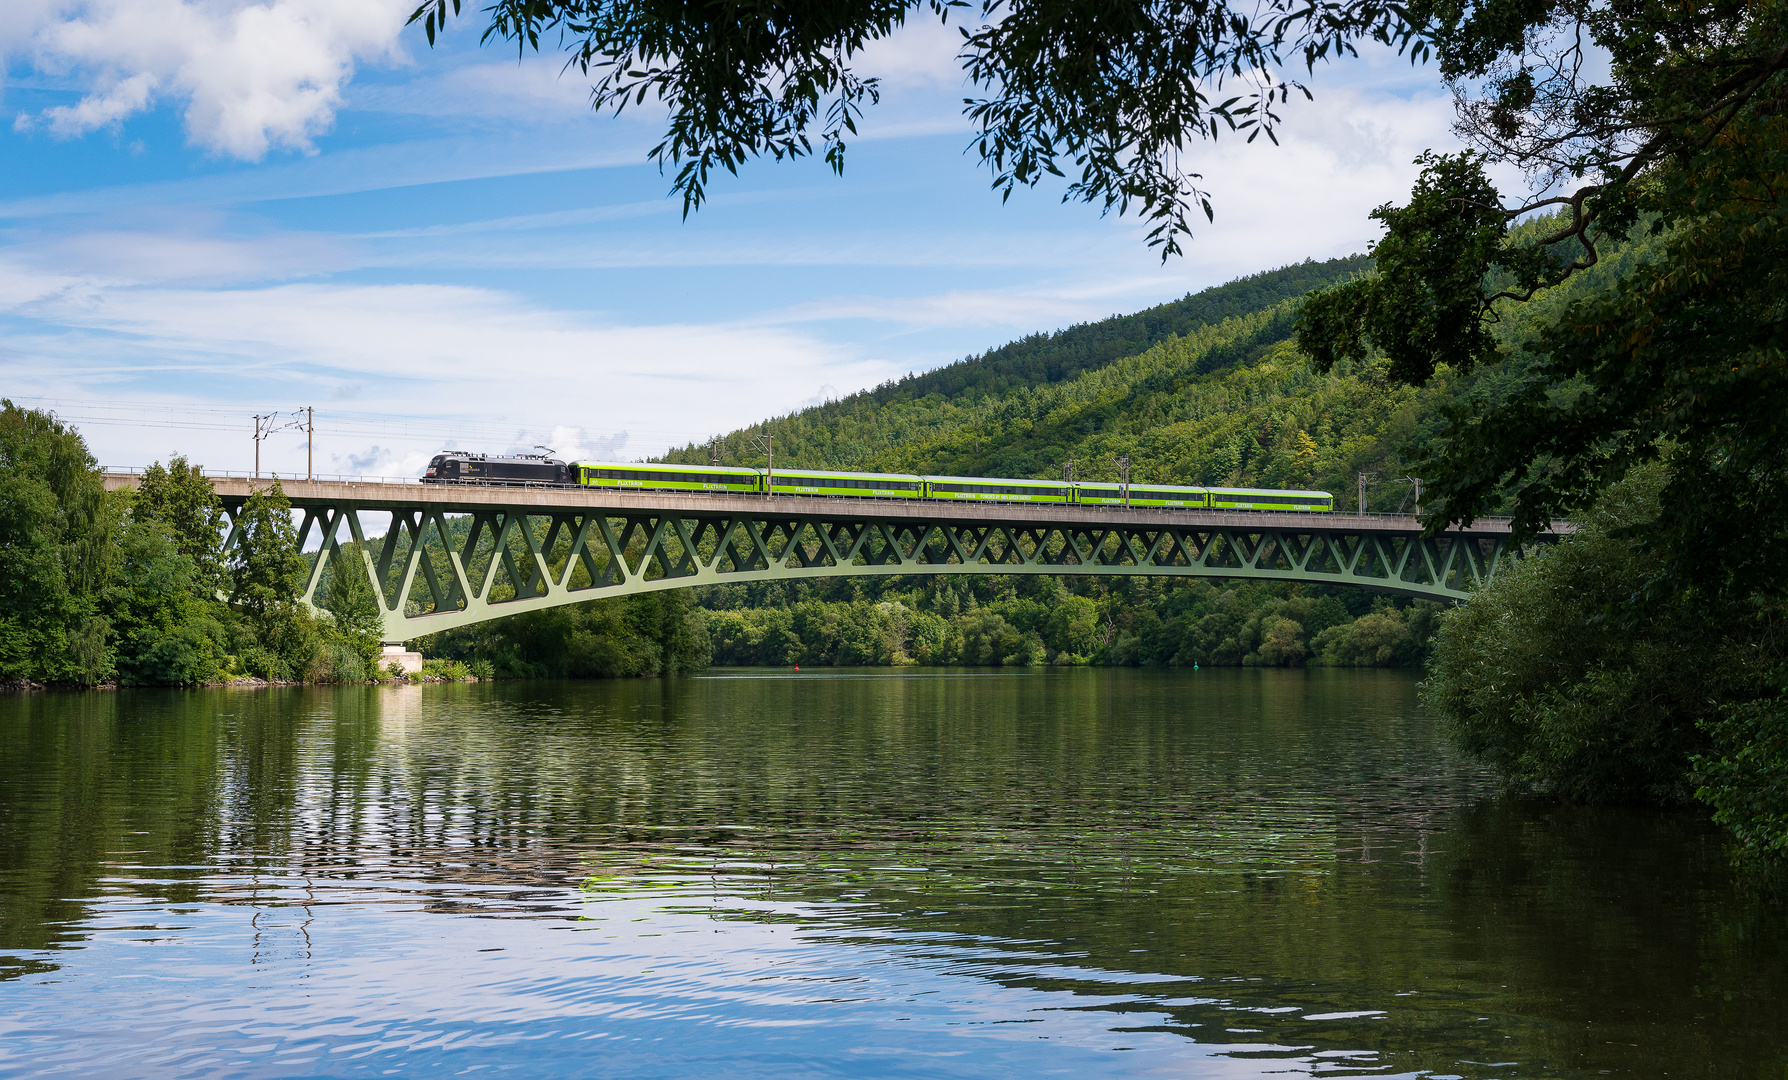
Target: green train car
[(1141, 495), (998, 489), (849, 485), (1255, 499), (742, 480), (670, 477)]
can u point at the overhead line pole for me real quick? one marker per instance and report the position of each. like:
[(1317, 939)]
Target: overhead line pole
[(1363, 477), (768, 442), (264, 426)]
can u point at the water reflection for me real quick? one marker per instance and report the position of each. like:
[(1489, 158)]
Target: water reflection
[(1221, 873)]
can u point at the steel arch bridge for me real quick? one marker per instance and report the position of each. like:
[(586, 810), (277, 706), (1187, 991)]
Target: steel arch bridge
[(454, 556)]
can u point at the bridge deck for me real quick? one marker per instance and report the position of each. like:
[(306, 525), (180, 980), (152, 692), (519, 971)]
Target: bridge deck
[(465, 498)]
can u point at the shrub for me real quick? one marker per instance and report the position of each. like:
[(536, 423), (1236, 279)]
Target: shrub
[(452, 670), (336, 662)]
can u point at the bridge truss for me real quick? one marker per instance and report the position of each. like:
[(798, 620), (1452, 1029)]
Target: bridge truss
[(452, 557)]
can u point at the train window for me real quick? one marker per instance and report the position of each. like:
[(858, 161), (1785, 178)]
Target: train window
[(1269, 500)]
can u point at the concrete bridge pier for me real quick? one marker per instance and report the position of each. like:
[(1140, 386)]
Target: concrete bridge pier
[(410, 663)]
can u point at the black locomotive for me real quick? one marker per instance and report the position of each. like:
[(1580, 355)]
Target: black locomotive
[(455, 466)]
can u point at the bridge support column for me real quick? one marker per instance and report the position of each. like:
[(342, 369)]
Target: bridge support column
[(410, 663)]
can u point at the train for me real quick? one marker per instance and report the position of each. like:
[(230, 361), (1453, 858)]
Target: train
[(457, 467)]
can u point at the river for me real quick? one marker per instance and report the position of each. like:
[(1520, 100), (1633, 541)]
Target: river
[(921, 873)]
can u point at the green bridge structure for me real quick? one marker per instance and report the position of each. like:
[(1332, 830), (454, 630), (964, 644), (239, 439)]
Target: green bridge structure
[(456, 555)]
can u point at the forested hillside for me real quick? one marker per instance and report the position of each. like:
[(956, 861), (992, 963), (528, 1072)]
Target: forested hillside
[(871, 426), (1049, 358)]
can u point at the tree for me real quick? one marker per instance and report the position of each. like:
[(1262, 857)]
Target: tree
[(356, 621), (1536, 676), (266, 573), (181, 496), (1745, 775), (1072, 628), (54, 552), (164, 627)]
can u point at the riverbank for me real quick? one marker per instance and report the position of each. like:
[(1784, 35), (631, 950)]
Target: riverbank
[(245, 682)]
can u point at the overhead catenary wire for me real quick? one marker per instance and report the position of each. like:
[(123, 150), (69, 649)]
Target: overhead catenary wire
[(387, 427)]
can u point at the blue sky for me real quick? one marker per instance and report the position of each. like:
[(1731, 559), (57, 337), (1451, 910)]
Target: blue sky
[(210, 210)]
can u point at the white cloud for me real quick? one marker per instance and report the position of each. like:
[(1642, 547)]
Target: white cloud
[(251, 76), (104, 109), (186, 253), (536, 88), (921, 53)]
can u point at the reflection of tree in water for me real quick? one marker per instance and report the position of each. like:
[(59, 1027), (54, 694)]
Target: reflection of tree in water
[(1623, 928), (1240, 850), (88, 780)]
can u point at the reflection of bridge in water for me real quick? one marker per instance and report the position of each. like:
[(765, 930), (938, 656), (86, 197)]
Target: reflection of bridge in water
[(457, 555)]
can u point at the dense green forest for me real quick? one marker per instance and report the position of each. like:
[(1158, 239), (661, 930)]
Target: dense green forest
[(1051, 358), (1229, 400)]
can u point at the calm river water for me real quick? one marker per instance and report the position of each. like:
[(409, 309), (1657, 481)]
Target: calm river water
[(887, 874)]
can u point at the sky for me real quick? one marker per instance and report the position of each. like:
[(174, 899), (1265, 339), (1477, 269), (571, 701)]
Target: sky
[(215, 210)]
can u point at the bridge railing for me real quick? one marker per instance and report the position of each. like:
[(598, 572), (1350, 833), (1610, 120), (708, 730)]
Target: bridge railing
[(836, 501)]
